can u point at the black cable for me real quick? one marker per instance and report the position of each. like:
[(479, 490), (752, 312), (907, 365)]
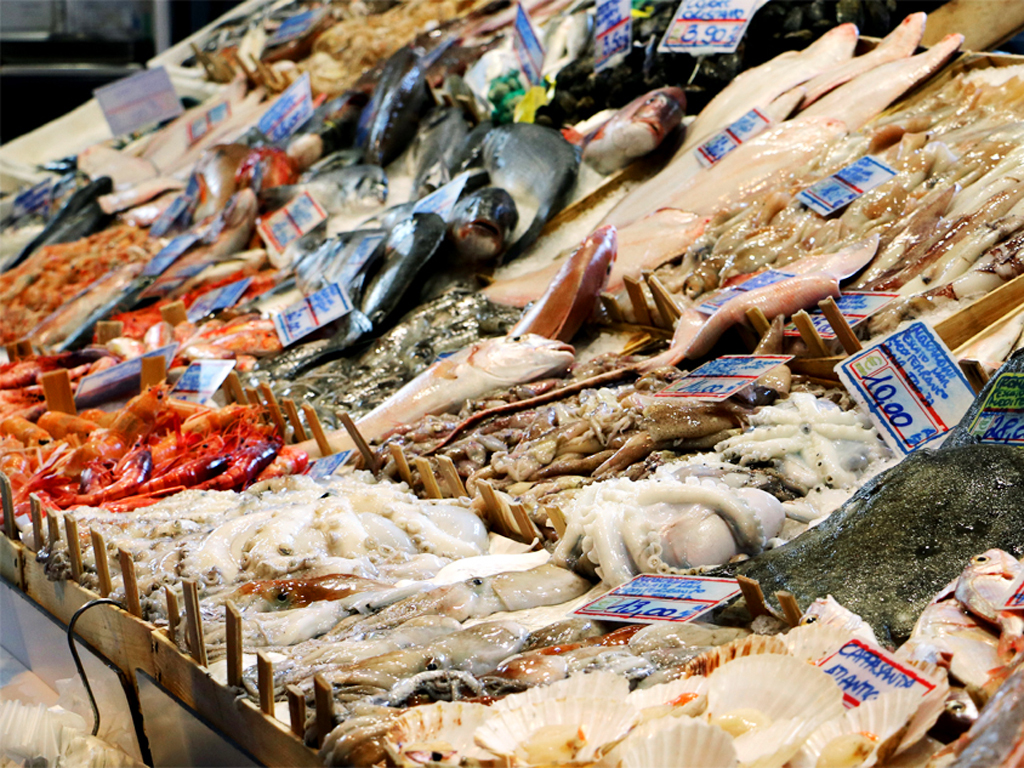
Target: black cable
[(78, 660)]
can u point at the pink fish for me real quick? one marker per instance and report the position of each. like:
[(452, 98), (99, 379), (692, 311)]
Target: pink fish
[(635, 130), (983, 589)]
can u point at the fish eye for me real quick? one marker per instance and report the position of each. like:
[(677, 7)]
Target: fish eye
[(476, 582), (282, 597), (979, 559), (516, 338), (955, 706), (808, 620)]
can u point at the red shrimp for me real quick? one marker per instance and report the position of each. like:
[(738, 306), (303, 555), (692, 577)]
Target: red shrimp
[(246, 464)]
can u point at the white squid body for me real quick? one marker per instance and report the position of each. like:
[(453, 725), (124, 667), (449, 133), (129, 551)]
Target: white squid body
[(667, 526)]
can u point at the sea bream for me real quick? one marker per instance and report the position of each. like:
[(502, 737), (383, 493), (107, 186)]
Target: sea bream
[(985, 586), (635, 130), (482, 225)]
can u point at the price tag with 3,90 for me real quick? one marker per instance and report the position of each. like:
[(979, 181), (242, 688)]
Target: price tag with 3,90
[(300, 216), (201, 379), (864, 672), (527, 45), (613, 31), (314, 311), (1001, 416), (648, 598), (911, 385), (289, 112), (721, 144), (328, 465), (724, 376), (708, 26), (843, 187)]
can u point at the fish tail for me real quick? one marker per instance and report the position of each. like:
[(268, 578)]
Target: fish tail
[(520, 246)]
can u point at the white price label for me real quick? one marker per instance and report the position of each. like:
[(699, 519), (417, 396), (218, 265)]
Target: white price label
[(708, 26), (202, 124), (648, 598), (138, 101), (721, 144), (292, 108), (527, 45), (613, 31), (443, 200), (1001, 416), (855, 306), (115, 382), (201, 379), (219, 298), (723, 377), (35, 198), (314, 311), (328, 465), (297, 218), (864, 672), (842, 188)]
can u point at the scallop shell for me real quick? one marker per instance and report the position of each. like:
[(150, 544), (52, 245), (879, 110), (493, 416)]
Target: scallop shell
[(752, 645), (569, 731), (667, 693), (439, 734), (810, 642), (681, 743), (606, 685)]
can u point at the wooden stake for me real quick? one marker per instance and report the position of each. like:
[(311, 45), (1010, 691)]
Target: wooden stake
[(253, 397), (233, 626), (557, 519), (12, 351), (36, 511), (317, 429), (324, 701), (296, 710), (809, 334), (754, 597), (430, 486), (57, 388), (174, 313), (131, 584), (293, 416), (526, 527), (841, 328), (790, 607), (757, 319), (357, 437), (667, 307), (74, 545), (495, 508), (636, 297), (275, 411), (976, 374), (235, 388), (451, 477), (611, 306), (173, 613), (7, 503), (53, 526), (154, 372), (265, 683), (194, 622), (99, 552), (400, 461), (108, 329), (25, 348)]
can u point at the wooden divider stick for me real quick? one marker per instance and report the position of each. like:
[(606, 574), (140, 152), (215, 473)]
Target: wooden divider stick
[(233, 627), (296, 710), (12, 351), (74, 545), (57, 388), (357, 437), (235, 388), (317, 429), (36, 512), (430, 486), (194, 622), (663, 300), (526, 527), (265, 682), (131, 584), (757, 318), (108, 329), (293, 416), (323, 698), (99, 551), (25, 348), (790, 607), (402, 463), (451, 477), (252, 397), (611, 306), (976, 374), (174, 313), (557, 519), (840, 326), (154, 372), (7, 504), (53, 526), (754, 597), (275, 411), (641, 310), (810, 334), (173, 613)]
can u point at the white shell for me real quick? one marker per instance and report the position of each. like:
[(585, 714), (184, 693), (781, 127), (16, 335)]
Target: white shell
[(810, 642), (681, 743), (444, 727), (593, 726), (665, 693), (606, 685)]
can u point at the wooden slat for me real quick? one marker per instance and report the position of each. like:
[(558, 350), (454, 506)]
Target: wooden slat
[(233, 627), (7, 503), (194, 622), (296, 710), (641, 310), (790, 607), (667, 307), (74, 545), (131, 585), (154, 372), (38, 532), (369, 460), (99, 552), (959, 328), (840, 326), (275, 410), (174, 313), (173, 613), (983, 23), (557, 519), (293, 416), (108, 329), (234, 386), (809, 334), (757, 318), (754, 597), (265, 682), (323, 698), (402, 463), (317, 429), (430, 486), (57, 388), (451, 477)]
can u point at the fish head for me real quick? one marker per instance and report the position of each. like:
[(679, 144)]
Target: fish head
[(661, 112), (522, 358), (995, 563)]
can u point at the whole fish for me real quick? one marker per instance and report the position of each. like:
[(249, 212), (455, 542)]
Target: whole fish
[(392, 117), (215, 172), (477, 369), (437, 142), (123, 168), (482, 225), (342, 190), (138, 194), (283, 594), (537, 167), (342, 158), (996, 740), (983, 589), (635, 130)]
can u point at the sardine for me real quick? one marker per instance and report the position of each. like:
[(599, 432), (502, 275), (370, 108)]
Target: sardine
[(355, 189), (482, 225), (393, 114), (434, 148), (635, 130)]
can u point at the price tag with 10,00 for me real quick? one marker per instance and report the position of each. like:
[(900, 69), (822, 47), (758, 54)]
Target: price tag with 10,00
[(613, 34), (201, 379), (653, 597), (911, 385), (723, 377), (708, 26), (314, 311), (1001, 416), (527, 45)]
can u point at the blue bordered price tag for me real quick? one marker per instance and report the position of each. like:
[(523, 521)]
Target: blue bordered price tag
[(138, 101), (169, 254), (649, 598), (202, 124), (760, 280), (527, 45), (614, 32), (297, 218), (1015, 602), (35, 199), (855, 306), (1001, 416), (314, 311), (295, 27), (292, 108), (358, 257), (201, 379), (328, 465), (864, 672), (443, 200), (179, 212), (721, 144), (219, 298), (708, 26), (118, 381), (723, 377), (842, 188), (911, 385)]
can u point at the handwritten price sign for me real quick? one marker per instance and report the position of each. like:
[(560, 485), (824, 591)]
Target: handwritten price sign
[(614, 32), (708, 26), (1001, 417), (648, 598)]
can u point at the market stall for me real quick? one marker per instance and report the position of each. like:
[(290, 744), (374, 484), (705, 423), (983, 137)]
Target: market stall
[(476, 383)]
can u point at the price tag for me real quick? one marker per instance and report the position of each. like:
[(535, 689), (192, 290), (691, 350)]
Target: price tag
[(1015, 602), (760, 280), (314, 311), (202, 124), (648, 598), (219, 298), (201, 379), (614, 31), (842, 188), (708, 26), (721, 144), (297, 218), (138, 101), (34, 199), (358, 257), (291, 110), (169, 254), (1001, 416), (723, 377), (527, 46), (855, 306), (328, 465), (864, 672), (443, 200), (295, 27), (179, 212), (122, 379), (911, 385)]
